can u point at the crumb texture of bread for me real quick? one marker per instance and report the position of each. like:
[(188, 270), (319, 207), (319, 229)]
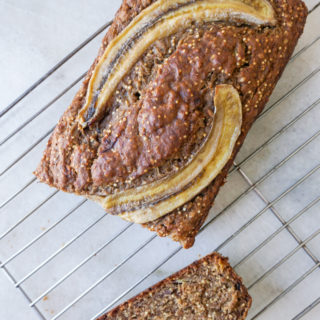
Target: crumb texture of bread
[(206, 289), (160, 113)]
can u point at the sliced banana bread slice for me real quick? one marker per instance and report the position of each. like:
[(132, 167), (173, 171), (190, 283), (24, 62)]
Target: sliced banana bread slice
[(207, 289)]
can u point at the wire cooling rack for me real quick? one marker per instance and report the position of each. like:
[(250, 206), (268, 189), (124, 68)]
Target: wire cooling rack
[(71, 261)]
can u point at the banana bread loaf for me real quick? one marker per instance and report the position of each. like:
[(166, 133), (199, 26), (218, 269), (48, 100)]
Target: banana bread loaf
[(166, 105), (206, 289)]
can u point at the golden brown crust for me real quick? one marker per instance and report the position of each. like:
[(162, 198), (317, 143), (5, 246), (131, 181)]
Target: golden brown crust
[(183, 225), (269, 50), (207, 289)]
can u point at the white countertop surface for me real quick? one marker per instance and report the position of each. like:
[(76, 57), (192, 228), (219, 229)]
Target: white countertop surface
[(92, 259)]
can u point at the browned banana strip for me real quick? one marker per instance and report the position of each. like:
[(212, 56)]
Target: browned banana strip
[(108, 72), (163, 196)]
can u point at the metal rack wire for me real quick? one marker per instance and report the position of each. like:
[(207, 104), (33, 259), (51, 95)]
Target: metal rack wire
[(20, 280)]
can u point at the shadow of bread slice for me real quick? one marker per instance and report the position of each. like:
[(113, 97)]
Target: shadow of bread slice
[(165, 107), (206, 289)]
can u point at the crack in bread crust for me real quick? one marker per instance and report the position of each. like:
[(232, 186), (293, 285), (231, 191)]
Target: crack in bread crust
[(269, 52)]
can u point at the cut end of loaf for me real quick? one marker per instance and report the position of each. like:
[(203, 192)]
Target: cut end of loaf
[(206, 289)]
